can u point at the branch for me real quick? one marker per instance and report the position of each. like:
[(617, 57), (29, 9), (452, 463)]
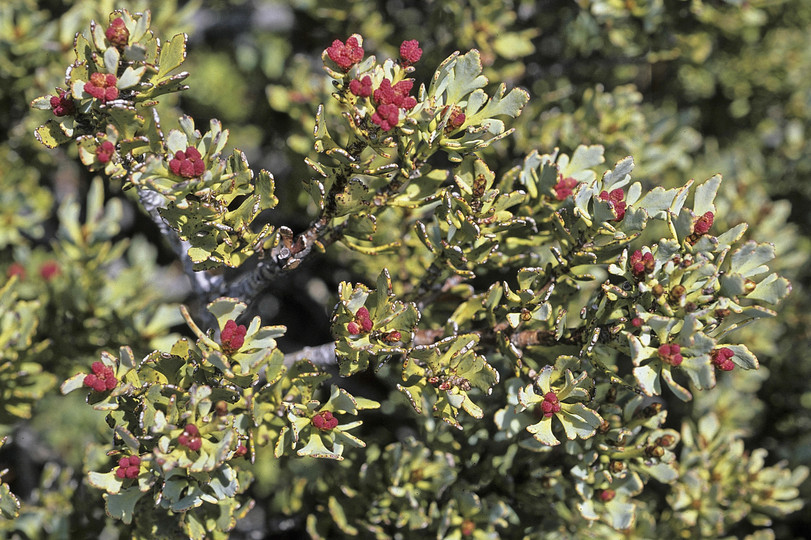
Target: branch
[(324, 355), (202, 282), (286, 255), (321, 355)]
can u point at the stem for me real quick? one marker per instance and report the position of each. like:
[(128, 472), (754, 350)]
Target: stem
[(321, 355), (202, 282)]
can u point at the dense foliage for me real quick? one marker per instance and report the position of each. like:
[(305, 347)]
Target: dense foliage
[(457, 308)]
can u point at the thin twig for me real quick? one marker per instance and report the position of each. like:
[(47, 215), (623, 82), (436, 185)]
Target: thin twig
[(324, 355), (321, 355)]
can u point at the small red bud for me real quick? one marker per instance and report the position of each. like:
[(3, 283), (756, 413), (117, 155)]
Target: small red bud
[(607, 495), (16, 269), (703, 223), (117, 33), (49, 270)]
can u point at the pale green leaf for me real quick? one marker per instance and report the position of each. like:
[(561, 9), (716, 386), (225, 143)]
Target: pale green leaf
[(705, 196), (771, 290), (542, 431), (122, 505), (173, 54)]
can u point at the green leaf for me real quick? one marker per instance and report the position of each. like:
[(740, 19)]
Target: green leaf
[(648, 379), (111, 59), (73, 383), (224, 483), (751, 258), (108, 481), (771, 290), (621, 514), (195, 527), (51, 134), (619, 176), (355, 197), (130, 77), (315, 448), (129, 439), (9, 504), (225, 309), (542, 431), (743, 357), (657, 201), (681, 392), (462, 77), (705, 196), (43, 103), (498, 105), (173, 54), (583, 160), (122, 505), (578, 420)]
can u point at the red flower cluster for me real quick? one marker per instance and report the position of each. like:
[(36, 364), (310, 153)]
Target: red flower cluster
[(347, 55), (615, 198), (397, 95), (362, 87), (62, 103), (102, 378), (102, 86), (703, 224), (390, 99), (187, 164), (722, 358), (392, 336), (636, 322), (410, 52), (232, 337), (117, 33), (128, 467), (550, 404), (565, 187), (49, 270), (362, 323), (641, 264), (241, 450), (105, 151), (325, 421), (190, 438), (670, 353)]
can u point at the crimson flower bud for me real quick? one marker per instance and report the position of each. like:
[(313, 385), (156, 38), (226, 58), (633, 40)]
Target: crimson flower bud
[(232, 337), (410, 52), (325, 421)]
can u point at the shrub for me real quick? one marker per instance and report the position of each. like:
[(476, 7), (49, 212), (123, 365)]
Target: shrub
[(503, 333)]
